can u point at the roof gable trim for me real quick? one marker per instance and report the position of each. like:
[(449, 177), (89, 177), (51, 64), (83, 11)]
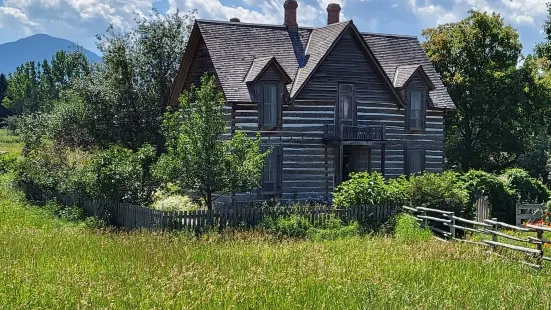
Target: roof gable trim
[(418, 71), (259, 67)]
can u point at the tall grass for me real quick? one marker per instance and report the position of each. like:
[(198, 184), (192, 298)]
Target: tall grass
[(50, 263)]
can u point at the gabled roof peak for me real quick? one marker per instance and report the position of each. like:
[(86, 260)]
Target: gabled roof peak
[(260, 65)]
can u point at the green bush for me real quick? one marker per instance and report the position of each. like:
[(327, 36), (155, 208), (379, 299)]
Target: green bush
[(292, 226), (408, 230), (501, 198), (440, 191), (527, 189), (8, 162), (335, 231), (175, 203), (119, 175), (370, 189), (297, 226)]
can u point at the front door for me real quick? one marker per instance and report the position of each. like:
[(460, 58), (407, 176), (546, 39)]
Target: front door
[(347, 162)]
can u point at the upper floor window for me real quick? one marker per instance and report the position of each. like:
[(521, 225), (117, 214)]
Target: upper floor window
[(269, 109), (346, 102), (416, 109)]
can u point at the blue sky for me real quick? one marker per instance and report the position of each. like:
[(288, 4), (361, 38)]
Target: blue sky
[(80, 20)]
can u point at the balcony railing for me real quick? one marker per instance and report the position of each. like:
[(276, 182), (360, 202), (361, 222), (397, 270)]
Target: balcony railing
[(354, 133)]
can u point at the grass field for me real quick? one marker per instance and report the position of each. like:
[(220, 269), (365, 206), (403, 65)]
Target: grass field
[(48, 263), (9, 142)]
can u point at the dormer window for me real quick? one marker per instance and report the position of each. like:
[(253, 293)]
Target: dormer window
[(269, 105), (416, 109)]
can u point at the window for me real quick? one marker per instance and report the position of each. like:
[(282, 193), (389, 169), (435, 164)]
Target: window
[(346, 101), (269, 107), (271, 177), (415, 160), (416, 109)]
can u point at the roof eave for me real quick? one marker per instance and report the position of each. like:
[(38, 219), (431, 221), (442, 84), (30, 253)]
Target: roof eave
[(185, 63)]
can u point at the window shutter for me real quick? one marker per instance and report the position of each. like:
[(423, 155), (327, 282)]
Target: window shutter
[(406, 158), (424, 101), (424, 159), (408, 110), (261, 105), (280, 90), (279, 189)]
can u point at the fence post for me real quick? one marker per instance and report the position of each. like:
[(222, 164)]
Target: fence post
[(452, 224), (494, 236), (425, 221), (540, 248)]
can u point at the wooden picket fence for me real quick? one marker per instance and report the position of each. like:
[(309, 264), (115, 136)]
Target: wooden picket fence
[(136, 217), (448, 225)]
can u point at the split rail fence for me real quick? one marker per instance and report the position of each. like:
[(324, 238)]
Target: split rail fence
[(226, 215), (448, 225)]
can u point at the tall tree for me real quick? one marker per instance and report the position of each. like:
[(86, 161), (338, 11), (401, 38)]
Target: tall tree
[(498, 110), (130, 90), (198, 158), (34, 87), (3, 86)]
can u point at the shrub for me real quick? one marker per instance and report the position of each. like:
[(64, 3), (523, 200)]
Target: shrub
[(120, 175), (527, 189), (335, 231), (440, 191), (175, 203), (292, 226), (500, 197), (8, 162), (300, 227), (370, 189), (407, 229)]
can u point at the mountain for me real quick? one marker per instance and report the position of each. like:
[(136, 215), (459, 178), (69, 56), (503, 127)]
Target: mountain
[(37, 47)]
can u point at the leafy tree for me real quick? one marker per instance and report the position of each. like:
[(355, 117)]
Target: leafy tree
[(499, 107), (199, 158), (3, 86), (127, 94), (35, 87)]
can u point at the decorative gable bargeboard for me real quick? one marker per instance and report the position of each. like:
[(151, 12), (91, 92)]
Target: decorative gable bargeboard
[(331, 100)]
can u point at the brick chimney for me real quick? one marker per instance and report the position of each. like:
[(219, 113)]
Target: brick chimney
[(290, 7), (333, 13)]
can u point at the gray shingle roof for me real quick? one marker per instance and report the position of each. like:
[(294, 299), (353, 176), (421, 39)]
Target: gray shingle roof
[(321, 40), (257, 67), (393, 51), (403, 73), (235, 48)]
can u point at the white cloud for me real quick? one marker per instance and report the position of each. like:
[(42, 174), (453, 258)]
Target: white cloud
[(76, 20), (264, 12), (514, 11)]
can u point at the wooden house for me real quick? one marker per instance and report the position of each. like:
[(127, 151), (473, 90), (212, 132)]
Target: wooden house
[(330, 100)]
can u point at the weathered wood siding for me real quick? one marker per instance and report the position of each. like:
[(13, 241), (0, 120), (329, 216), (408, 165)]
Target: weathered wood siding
[(308, 164), (201, 64), (374, 106)]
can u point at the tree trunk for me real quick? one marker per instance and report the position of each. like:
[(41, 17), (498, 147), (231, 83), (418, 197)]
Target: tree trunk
[(209, 207)]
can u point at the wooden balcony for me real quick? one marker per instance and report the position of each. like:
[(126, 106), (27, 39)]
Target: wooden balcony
[(353, 133)]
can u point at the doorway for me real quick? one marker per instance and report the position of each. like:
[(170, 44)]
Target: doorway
[(347, 162)]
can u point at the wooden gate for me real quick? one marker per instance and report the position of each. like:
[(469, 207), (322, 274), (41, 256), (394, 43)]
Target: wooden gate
[(482, 208)]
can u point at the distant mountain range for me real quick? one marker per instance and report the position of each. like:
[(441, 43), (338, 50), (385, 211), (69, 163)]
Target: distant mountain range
[(37, 47)]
